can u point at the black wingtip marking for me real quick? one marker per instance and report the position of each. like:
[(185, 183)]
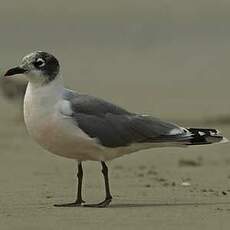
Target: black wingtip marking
[(204, 136)]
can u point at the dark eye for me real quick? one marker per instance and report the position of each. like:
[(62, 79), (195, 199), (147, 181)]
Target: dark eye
[(39, 63)]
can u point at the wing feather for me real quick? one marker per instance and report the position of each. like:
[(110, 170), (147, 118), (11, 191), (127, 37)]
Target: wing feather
[(113, 126)]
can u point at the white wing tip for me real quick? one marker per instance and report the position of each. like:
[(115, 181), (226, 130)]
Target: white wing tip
[(224, 140)]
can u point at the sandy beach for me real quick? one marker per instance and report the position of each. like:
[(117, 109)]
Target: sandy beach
[(168, 60)]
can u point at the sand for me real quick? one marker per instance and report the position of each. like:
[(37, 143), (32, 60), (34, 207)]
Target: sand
[(160, 189), (168, 59)]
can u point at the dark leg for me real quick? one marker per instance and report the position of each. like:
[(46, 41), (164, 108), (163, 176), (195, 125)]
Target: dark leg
[(79, 187), (108, 197), (79, 199)]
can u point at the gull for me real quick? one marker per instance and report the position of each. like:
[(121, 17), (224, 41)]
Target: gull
[(86, 128)]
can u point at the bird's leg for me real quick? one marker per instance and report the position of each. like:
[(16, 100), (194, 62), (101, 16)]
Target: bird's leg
[(108, 197), (79, 199)]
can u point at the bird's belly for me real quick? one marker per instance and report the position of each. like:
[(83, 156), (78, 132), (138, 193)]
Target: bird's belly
[(61, 137)]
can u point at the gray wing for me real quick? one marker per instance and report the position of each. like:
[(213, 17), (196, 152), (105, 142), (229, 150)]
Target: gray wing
[(116, 127)]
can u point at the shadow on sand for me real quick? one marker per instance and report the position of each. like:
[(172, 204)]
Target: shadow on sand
[(141, 205), (144, 205)]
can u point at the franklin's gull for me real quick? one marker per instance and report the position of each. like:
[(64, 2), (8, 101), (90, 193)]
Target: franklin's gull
[(83, 127)]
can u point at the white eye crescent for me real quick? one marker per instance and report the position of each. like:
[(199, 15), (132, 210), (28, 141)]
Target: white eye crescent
[(39, 63)]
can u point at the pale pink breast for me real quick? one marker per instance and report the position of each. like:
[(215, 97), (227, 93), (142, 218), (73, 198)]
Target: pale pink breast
[(61, 137)]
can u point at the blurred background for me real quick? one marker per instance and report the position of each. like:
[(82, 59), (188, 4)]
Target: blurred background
[(167, 58)]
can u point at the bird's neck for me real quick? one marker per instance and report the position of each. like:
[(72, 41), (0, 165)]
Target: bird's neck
[(44, 95)]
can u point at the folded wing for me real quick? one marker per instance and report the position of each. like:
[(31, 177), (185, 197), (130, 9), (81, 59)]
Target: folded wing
[(114, 127)]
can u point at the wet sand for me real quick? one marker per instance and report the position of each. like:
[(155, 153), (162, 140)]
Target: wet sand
[(161, 188), (171, 61)]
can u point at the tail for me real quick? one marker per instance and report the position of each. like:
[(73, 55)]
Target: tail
[(205, 136)]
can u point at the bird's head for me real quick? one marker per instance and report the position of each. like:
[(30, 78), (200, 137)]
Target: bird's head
[(39, 67)]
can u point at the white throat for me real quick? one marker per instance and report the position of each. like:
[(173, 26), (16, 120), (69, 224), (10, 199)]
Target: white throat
[(40, 100), (50, 92)]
